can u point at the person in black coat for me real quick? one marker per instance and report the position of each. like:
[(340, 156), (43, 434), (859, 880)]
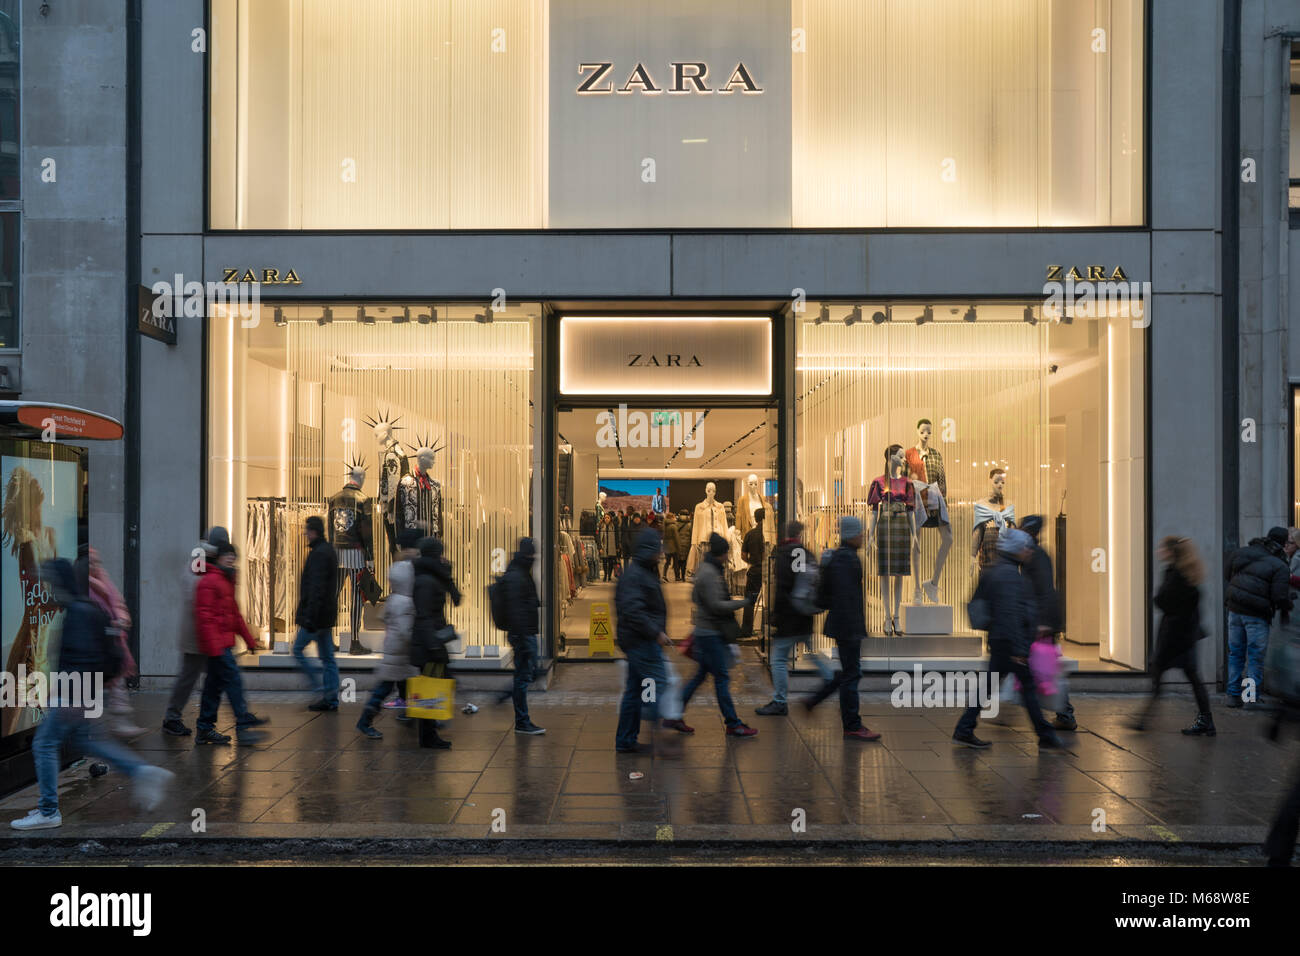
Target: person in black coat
[(434, 584), (1042, 578), (318, 609), (790, 626), (1012, 614), (522, 600), (1259, 585), (1179, 600)]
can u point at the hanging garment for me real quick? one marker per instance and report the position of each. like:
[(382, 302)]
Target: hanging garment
[(894, 500), (257, 565)]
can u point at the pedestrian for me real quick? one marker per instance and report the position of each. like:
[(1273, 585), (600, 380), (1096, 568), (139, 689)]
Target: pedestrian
[(790, 626), (1003, 605), (434, 584), (1179, 600), (607, 538), (846, 625), (1259, 585), (88, 651), (715, 634), (642, 634), (685, 524), (396, 666), (194, 663), (109, 600), (754, 551), (318, 609), (1042, 578), (670, 542), (218, 622), (630, 532), (520, 596)]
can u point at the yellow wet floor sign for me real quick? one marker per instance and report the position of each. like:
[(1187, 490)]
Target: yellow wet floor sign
[(600, 634)]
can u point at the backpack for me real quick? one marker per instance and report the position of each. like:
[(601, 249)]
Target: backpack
[(823, 592), (1282, 663), (499, 604), (805, 596)]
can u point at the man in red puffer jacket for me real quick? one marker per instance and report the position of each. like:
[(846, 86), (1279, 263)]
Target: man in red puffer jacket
[(216, 623)]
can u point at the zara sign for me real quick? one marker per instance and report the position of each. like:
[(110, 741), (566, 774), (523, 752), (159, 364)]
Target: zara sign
[(688, 77)]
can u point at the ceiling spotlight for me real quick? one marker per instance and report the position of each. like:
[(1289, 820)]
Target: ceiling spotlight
[(823, 314), (483, 317), (279, 317), (326, 316), (404, 316), (854, 316), (424, 318), (880, 317), (1029, 315), (363, 317), (927, 315), (970, 315)]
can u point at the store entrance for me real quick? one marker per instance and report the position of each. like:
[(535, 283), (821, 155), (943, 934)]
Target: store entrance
[(686, 470)]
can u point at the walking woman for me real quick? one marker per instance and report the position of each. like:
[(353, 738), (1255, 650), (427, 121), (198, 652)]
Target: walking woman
[(607, 539), (433, 585), (1179, 598)]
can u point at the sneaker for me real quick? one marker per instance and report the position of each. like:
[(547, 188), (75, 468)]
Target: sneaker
[(678, 725), (151, 785), (862, 733), (1065, 722), (1234, 702), (1203, 726), (970, 740), (772, 710), (741, 730), (175, 728), (38, 821), (529, 728), (808, 704), (637, 748), (252, 720), (211, 737), (323, 706), (931, 592), (369, 730)]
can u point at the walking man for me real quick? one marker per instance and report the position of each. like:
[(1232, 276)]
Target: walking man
[(193, 661), (1258, 587), (790, 627), (1042, 578), (318, 609), (521, 598), (846, 624)]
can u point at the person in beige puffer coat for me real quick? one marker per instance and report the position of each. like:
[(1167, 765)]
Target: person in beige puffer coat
[(396, 667)]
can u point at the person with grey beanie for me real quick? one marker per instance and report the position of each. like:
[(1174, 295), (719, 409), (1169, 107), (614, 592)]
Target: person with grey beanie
[(1004, 606), (194, 663)]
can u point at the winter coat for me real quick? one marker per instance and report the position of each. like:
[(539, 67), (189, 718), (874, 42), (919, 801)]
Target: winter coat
[(318, 602), (1038, 570), (638, 599), (847, 618), (786, 621), (1180, 624), (188, 632), (399, 624), (1013, 612), (1259, 581), (433, 585), (607, 536), (217, 620), (630, 532), (521, 596), (83, 637), (709, 592), (670, 537), (684, 539)]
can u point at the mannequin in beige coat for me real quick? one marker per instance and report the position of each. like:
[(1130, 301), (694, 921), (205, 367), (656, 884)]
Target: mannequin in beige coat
[(710, 516)]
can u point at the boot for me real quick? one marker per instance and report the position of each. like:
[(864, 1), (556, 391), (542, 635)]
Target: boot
[(429, 736), (1203, 726), (366, 724)]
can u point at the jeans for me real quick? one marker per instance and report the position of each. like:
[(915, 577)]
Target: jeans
[(713, 656), (1280, 844), (525, 647), (381, 692), (323, 673), (1247, 641), (782, 649), (68, 723), (1001, 664), (192, 668), (223, 677), (846, 682), (644, 660)]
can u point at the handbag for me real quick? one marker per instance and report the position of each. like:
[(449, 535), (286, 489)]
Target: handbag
[(451, 641), (370, 589), (687, 646)]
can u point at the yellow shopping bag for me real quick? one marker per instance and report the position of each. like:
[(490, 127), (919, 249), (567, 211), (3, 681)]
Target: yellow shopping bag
[(430, 698)]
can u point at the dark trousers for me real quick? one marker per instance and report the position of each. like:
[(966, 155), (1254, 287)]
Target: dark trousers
[(846, 682), (609, 562), (1001, 664), (526, 652), (1185, 661), (643, 661), (1280, 843), (193, 667), (223, 678), (713, 655), (679, 567), (753, 584)]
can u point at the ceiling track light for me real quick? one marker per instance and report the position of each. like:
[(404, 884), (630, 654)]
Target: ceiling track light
[(854, 316), (484, 317), (880, 318), (823, 315), (403, 317), (1029, 315), (970, 315), (326, 316), (280, 320), (927, 315), (363, 317)]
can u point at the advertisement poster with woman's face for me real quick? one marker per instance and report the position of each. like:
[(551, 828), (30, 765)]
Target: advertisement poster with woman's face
[(38, 522)]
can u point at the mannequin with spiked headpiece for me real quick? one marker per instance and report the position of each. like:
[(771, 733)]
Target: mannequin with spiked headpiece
[(420, 494), (351, 534), (392, 469)]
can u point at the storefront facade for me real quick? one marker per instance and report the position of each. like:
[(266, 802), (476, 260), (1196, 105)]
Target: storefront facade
[(906, 236)]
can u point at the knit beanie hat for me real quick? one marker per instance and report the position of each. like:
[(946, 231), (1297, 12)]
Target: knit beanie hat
[(718, 545)]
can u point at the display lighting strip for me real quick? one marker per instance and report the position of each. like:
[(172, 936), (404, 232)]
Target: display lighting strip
[(618, 440), (738, 441), (698, 421)]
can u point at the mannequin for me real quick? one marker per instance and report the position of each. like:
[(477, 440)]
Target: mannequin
[(420, 495), (710, 516), (392, 469), (600, 509), (736, 566), (993, 515), (751, 499), (892, 500), (352, 539), (931, 483)]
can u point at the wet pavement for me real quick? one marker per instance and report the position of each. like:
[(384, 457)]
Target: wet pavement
[(314, 778)]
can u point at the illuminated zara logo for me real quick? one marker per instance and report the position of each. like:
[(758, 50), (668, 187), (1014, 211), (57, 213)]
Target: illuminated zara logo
[(687, 77)]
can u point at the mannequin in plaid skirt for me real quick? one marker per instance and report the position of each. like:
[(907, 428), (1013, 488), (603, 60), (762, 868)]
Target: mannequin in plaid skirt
[(892, 499)]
